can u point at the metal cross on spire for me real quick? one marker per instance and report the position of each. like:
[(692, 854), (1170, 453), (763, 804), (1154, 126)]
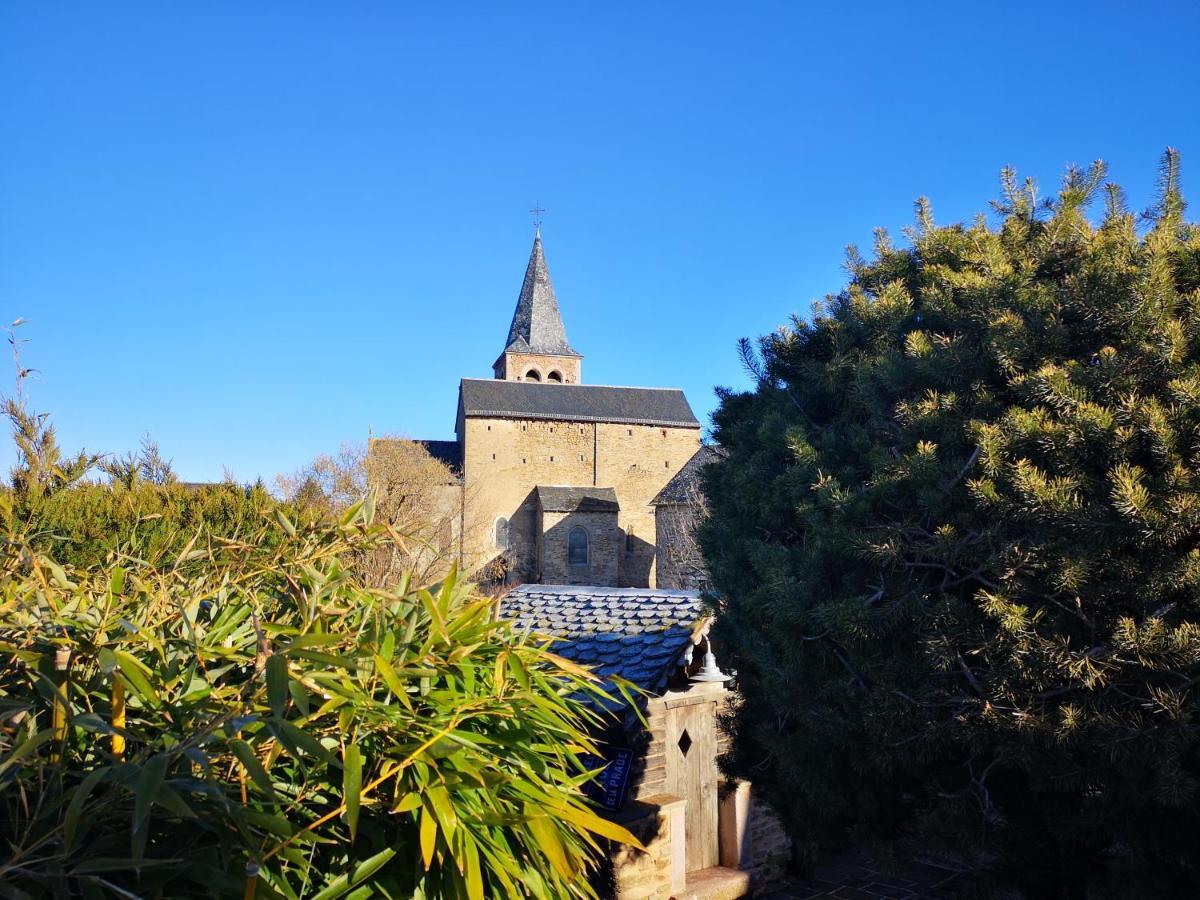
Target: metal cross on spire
[(537, 216)]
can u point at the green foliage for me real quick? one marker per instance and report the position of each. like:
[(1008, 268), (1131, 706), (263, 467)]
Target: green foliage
[(245, 714), (89, 524), (957, 540)]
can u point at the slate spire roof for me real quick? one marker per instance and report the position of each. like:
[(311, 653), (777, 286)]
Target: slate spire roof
[(537, 324)]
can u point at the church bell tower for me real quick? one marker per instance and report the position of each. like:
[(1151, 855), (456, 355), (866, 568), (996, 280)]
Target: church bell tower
[(537, 348)]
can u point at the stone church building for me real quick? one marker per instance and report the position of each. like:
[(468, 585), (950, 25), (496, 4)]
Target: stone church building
[(583, 499), (559, 476)]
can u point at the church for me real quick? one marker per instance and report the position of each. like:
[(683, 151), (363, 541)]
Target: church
[(581, 501), (555, 480)]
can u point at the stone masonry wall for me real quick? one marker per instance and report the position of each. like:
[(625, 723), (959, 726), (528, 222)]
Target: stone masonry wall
[(517, 365), (505, 459), (604, 548), (677, 560), (655, 873), (770, 851)]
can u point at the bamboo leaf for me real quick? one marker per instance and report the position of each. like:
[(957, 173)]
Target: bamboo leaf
[(26, 748), (277, 683), (352, 764), (428, 836), (136, 677), (361, 874), (254, 768), (75, 808)]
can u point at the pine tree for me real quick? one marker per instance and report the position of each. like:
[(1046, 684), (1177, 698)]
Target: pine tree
[(956, 545)]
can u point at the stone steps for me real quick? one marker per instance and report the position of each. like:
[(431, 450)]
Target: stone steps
[(716, 883)]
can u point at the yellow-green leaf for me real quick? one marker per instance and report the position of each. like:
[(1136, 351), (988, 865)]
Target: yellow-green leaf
[(352, 785)]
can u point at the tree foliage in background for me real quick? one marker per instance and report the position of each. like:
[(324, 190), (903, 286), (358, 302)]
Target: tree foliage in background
[(417, 494), (957, 539), (249, 713)]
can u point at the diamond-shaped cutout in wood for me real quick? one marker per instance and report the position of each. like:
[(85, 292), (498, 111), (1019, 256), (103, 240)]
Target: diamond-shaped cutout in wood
[(685, 742)]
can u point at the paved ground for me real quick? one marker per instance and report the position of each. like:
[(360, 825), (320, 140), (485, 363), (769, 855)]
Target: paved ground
[(849, 879)]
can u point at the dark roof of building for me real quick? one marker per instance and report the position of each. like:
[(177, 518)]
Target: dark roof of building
[(577, 499), (575, 402), (536, 323), (637, 634), (684, 488)]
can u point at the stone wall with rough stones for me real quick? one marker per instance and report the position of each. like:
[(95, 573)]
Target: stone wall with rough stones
[(505, 459), (516, 366), (770, 852), (604, 548), (677, 560), (654, 873)]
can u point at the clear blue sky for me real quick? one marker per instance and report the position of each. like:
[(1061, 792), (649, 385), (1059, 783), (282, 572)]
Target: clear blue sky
[(257, 229)]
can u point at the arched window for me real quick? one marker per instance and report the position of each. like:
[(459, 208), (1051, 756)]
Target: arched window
[(577, 547), (502, 533), (533, 375), (629, 539), (555, 376)]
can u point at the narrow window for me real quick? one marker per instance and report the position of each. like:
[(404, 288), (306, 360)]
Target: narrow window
[(552, 459), (577, 547), (629, 540), (664, 431), (493, 456), (667, 464), (502, 533), (629, 431)]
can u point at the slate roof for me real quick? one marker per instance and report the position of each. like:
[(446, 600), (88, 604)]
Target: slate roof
[(495, 398), (635, 633), (577, 499), (536, 323), (684, 488)]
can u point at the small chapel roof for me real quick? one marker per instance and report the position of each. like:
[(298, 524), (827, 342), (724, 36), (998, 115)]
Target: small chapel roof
[(638, 634), (555, 498), (494, 398), (537, 325), (684, 488)]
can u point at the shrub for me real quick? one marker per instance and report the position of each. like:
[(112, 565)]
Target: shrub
[(958, 541), (246, 716)]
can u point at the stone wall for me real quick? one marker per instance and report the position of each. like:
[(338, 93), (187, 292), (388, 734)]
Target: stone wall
[(515, 366), (604, 548), (678, 563), (656, 873), (770, 851), (505, 459)]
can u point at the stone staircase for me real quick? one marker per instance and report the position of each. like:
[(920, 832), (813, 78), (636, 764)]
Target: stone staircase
[(716, 883)]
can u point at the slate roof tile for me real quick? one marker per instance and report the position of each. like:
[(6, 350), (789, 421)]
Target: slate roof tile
[(635, 633), (494, 398)]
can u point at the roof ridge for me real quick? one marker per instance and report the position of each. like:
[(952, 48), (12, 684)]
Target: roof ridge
[(556, 385)]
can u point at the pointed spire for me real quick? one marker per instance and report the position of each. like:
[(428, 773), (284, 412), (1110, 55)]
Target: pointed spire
[(537, 324)]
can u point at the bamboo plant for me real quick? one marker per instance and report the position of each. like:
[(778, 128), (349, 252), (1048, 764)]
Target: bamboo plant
[(249, 719)]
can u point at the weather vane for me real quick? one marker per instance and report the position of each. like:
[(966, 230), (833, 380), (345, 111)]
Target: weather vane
[(537, 216)]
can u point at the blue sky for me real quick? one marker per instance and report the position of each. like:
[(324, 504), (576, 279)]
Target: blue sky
[(256, 230)]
